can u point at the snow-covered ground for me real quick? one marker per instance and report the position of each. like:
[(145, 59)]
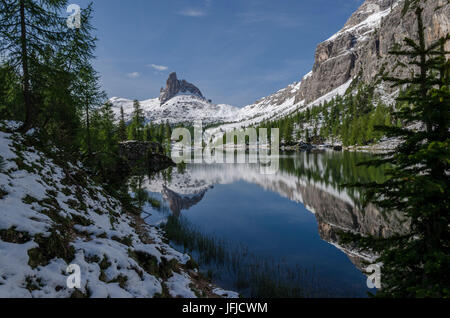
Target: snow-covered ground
[(369, 24), (53, 215)]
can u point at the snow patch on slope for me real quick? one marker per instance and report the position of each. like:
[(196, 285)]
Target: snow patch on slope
[(369, 24), (41, 200), (183, 108)]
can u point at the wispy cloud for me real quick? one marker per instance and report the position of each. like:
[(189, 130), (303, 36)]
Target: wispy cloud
[(279, 19), (193, 13), (134, 75), (160, 68), (197, 12)]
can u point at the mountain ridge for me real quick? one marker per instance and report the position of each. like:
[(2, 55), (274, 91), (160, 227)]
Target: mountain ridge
[(359, 51)]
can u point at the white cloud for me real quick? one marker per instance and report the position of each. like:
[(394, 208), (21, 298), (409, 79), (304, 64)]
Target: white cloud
[(160, 68), (279, 19), (134, 75), (193, 13)]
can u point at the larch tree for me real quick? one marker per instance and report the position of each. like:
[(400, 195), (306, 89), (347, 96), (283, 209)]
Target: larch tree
[(27, 28)]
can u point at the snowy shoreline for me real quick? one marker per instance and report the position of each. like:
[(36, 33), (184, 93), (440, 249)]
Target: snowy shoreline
[(52, 215)]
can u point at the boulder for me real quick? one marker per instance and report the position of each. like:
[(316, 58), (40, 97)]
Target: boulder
[(151, 153), (305, 146)]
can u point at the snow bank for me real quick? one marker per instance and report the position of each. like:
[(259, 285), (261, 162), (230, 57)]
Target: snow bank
[(53, 215)]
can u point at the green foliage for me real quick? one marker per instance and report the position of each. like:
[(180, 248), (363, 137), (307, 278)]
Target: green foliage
[(122, 130), (141, 196), (160, 133), (41, 70), (31, 28), (43, 56), (105, 158), (11, 99), (416, 264), (136, 127), (48, 83), (88, 94), (351, 118)]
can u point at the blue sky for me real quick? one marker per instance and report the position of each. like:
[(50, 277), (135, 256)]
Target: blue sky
[(235, 51)]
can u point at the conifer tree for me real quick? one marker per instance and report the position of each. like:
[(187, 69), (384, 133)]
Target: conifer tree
[(89, 94), (135, 130), (416, 263), (122, 126), (104, 141), (44, 53), (26, 28)]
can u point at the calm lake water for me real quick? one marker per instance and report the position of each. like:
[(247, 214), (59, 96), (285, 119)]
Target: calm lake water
[(289, 219)]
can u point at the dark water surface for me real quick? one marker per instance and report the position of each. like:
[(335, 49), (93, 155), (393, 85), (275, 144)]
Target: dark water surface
[(289, 218)]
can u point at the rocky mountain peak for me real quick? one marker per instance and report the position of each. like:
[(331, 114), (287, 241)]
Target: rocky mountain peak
[(361, 47), (367, 9), (175, 87)]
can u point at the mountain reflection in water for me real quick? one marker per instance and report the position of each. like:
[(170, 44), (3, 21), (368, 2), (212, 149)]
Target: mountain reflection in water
[(204, 194)]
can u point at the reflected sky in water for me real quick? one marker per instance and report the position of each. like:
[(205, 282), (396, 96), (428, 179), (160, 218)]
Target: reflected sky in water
[(291, 216)]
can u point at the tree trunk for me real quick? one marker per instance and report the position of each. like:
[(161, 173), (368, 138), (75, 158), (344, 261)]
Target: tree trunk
[(28, 123)]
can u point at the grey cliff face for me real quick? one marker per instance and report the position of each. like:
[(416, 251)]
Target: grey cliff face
[(361, 48), (175, 86)]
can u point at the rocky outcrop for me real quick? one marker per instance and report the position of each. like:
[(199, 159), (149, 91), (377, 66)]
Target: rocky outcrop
[(135, 150), (175, 87), (151, 153), (358, 53), (362, 47)]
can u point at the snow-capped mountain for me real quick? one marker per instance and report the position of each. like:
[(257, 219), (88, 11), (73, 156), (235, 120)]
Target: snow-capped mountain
[(360, 50), (357, 52), (179, 102), (183, 108)]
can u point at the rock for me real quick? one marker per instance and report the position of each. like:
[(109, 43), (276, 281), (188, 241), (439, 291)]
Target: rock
[(175, 86), (295, 146), (337, 148), (159, 162), (305, 146), (135, 150), (361, 48), (138, 152)]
